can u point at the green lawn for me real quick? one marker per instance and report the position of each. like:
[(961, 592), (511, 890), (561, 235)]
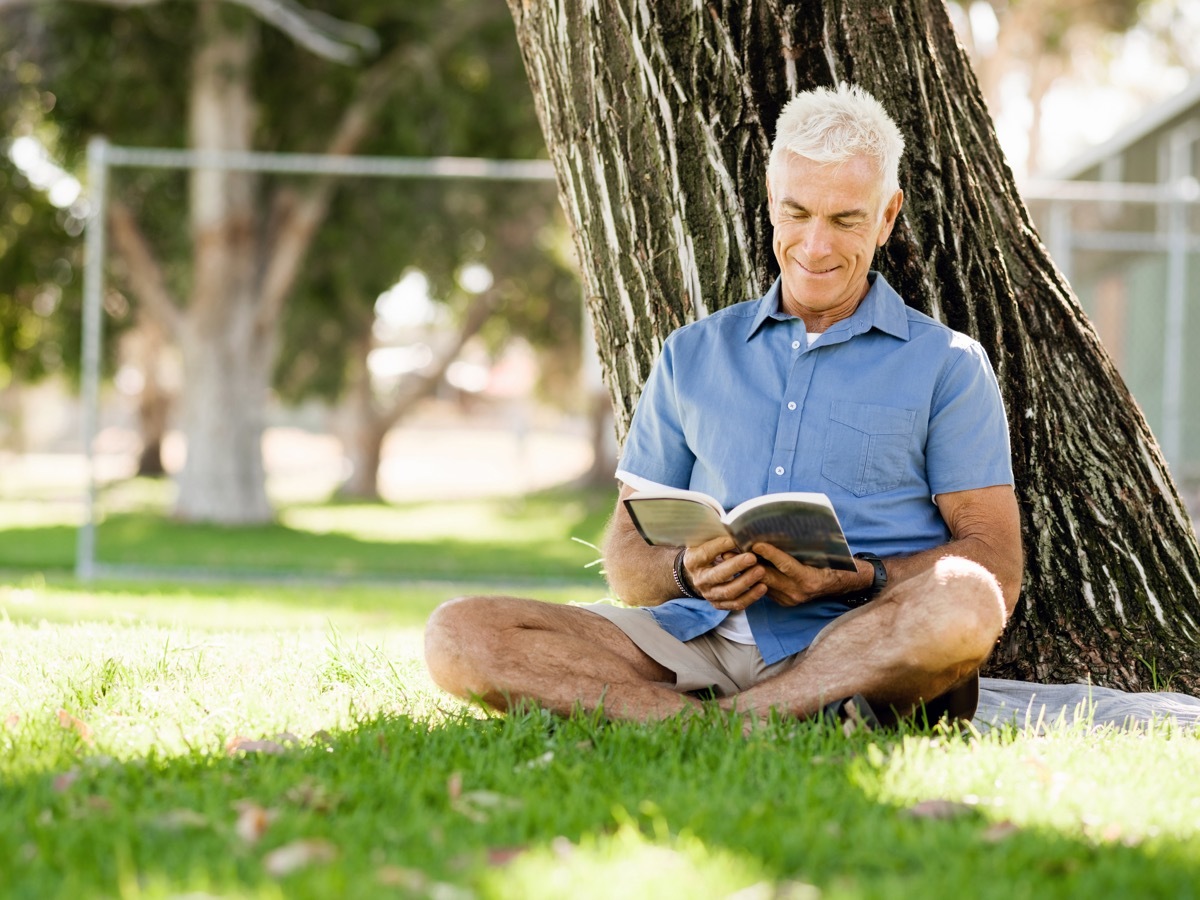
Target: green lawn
[(208, 739)]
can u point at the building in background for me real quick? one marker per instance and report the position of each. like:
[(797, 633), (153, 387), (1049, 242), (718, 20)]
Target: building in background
[(1122, 221)]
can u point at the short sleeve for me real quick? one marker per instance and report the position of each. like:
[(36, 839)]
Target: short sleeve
[(967, 446), (656, 447)]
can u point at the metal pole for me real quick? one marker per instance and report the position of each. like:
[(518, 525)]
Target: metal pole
[(93, 292)]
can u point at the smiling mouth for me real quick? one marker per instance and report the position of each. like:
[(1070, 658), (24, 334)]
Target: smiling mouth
[(816, 271)]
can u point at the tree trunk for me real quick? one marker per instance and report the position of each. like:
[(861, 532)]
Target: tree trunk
[(371, 420), (146, 346), (659, 118), (227, 352)]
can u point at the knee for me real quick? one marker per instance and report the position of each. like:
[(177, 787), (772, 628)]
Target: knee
[(452, 635), (969, 612)]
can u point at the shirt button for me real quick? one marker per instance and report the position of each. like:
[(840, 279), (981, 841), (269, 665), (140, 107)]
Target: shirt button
[(795, 345), (792, 404), (779, 470)]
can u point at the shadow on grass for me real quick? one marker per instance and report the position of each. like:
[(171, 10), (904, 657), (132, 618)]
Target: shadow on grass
[(531, 807)]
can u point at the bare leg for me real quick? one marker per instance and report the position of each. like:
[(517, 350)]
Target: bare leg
[(505, 650), (919, 639)]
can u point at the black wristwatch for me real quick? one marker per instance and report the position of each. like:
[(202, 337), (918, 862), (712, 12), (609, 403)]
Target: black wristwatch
[(877, 584)]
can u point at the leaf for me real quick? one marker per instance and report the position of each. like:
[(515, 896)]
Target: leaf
[(412, 880), (64, 780), (478, 805), (11, 720), (454, 786), (940, 809), (252, 821), (297, 855), (239, 744), (502, 856), (999, 831), (80, 727)]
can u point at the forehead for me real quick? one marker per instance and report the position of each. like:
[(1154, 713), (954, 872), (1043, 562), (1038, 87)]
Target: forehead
[(852, 184)]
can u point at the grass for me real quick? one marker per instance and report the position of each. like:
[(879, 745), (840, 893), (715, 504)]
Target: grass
[(546, 537), (271, 740)]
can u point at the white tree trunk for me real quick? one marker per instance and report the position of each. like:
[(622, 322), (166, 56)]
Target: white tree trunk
[(227, 352)]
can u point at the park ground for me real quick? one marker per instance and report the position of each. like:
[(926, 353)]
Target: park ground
[(170, 730)]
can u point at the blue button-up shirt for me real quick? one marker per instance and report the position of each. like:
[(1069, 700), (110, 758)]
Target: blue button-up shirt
[(884, 410)]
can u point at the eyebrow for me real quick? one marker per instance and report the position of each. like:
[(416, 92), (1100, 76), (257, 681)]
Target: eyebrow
[(843, 214)]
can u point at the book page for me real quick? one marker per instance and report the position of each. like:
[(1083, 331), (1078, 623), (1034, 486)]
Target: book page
[(809, 532), (674, 521)]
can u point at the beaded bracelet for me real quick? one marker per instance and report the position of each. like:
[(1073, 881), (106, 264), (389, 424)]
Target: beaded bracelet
[(677, 571)]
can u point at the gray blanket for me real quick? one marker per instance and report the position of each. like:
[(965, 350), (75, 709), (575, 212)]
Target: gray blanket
[(1021, 703)]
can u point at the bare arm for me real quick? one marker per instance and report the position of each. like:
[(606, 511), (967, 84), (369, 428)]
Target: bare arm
[(985, 527)]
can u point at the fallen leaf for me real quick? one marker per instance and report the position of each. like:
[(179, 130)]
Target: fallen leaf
[(454, 786), (239, 744), (502, 856), (64, 780), (412, 880), (478, 805), (80, 727), (940, 809), (298, 854), (252, 821), (999, 831)]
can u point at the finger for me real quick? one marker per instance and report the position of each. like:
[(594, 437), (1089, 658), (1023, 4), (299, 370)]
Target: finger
[(776, 557), (734, 565), (725, 582), (705, 554), (742, 600)]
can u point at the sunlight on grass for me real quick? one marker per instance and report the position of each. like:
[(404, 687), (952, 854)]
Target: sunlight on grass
[(629, 864)]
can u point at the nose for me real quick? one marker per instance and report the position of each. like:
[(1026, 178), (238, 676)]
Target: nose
[(815, 242)]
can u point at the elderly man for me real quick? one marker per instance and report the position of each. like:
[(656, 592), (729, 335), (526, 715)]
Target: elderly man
[(826, 383)]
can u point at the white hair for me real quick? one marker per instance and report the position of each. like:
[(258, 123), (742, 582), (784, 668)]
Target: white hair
[(830, 125)]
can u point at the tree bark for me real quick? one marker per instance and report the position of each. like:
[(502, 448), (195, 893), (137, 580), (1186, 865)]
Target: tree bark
[(659, 118), (227, 353)]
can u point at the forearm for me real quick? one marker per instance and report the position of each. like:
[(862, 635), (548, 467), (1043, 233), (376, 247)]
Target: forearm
[(1006, 563), (638, 574)]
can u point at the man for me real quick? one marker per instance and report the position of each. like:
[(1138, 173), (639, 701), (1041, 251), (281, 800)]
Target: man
[(827, 383)]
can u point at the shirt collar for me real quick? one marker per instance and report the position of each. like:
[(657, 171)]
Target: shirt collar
[(881, 308)]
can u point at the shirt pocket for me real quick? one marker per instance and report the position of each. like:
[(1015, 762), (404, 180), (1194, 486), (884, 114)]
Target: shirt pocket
[(868, 446)]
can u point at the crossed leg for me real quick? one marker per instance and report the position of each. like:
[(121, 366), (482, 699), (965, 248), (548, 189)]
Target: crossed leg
[(919, 639), (506, 650)]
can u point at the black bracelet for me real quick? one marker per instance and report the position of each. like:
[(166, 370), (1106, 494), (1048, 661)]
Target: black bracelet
[(680, 581)]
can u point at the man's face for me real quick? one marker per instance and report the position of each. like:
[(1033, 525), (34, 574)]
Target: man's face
[(828, 221)]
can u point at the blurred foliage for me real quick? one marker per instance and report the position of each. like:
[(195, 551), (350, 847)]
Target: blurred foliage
[(72, 70)]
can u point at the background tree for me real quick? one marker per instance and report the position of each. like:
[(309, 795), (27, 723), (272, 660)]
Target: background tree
[(240, 76), (659, 120), (1040, 40)]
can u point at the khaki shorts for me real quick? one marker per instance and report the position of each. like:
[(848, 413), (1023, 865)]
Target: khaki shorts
[(724, 667), (705, 663)]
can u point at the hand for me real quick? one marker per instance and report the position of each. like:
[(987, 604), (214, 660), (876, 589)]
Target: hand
[(723, 575), (790, 582)]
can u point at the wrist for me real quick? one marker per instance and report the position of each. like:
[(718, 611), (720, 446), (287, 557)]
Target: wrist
[(876, 578), (679, 573)]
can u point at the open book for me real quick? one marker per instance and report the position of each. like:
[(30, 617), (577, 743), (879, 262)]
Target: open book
[(801, 524)]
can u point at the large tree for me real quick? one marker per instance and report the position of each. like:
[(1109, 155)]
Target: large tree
[(659, 118)]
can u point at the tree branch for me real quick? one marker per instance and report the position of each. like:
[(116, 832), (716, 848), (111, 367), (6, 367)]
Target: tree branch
[(421, 386), (301, 219), (317, 32), (145, 274)]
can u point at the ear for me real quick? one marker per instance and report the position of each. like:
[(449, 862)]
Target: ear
[(890, 212)]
